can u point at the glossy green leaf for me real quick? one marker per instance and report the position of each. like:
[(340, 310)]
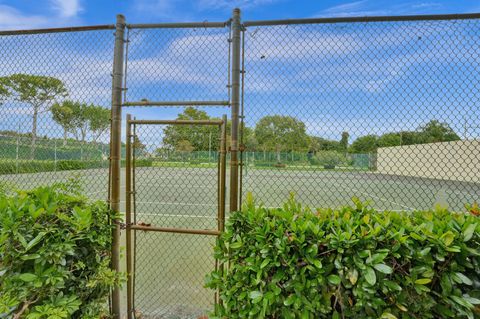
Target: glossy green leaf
[(383, 268), (370, 276), (27, 277), (334, 279)]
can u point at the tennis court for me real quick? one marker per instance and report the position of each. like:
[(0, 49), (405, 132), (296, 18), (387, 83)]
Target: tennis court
[(173, 266), (178, 191)]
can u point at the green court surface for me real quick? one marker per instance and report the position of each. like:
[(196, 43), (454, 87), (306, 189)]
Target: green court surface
[(170, 268)]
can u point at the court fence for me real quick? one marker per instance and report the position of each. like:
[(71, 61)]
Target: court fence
[(312, 104)]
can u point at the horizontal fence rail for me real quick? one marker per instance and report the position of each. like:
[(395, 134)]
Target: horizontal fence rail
[(177, 25), (432, 17), (59, 30), (177, 122), (176, 103)]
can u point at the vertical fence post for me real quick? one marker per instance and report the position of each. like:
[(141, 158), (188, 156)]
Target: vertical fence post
[(128, 216), (115, 156), (235, 105)]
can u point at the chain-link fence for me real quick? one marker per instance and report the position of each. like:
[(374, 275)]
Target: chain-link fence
[(55, 90), (176, 172), (385, 111), (172, 194)]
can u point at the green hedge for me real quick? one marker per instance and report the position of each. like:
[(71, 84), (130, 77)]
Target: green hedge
[(46, 150), (352, 262), (28, 166), (54, 255)]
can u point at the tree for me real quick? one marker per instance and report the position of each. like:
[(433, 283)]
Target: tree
[(281, 133), (138, 146), (4, 93), (317, 144), (365, 144), (389, 139), (81, 120), (197, 135), (436, 131), (62, 113), (344, 142), (99, 120), (409, 138), (249, 139), (184, 147), (36, 90)]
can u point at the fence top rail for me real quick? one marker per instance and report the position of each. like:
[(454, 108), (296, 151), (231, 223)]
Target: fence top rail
[(177, 25), (431, 17), (177, 122), (59, 30)]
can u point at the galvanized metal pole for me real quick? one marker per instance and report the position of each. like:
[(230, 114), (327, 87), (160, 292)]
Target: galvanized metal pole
[(235, 104), (115, 156), (128, 216), (223, 175)]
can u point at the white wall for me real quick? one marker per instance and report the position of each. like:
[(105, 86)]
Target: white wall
[(458, 160)]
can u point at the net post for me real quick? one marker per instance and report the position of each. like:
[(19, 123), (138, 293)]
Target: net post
[(235, 105), (116, 118)]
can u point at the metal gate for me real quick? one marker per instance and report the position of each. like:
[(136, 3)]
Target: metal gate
[(171, 291)]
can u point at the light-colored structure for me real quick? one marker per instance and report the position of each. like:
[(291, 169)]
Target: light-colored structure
[(458, 160)]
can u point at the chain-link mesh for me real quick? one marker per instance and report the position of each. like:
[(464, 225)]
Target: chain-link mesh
[(174, 189), (383, 111), (186, 64), (55, 91), (176, 166)]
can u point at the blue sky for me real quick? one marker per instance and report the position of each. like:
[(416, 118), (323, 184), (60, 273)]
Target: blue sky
[(47, 13), (361, 78)]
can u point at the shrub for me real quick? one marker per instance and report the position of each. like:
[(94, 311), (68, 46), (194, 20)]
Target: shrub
[(352, 262), (330, 159), (144, 162), (54, 254), (35, 166)]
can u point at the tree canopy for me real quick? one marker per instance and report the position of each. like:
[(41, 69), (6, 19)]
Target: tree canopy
[(281, 133), (432, 132), (4, 93), (436, 131), (80, 118), (364, 144), (99, 120), (200, 137), (35, 90), (62, 113)]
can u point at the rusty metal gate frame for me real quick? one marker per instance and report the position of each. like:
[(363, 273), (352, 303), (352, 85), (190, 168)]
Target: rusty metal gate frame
[(130, 209)]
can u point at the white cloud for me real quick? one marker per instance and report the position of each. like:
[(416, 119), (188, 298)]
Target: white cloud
[(356, 8), (11, 19), (375, 8), (66, 12), (229, 4), (66, 8)]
